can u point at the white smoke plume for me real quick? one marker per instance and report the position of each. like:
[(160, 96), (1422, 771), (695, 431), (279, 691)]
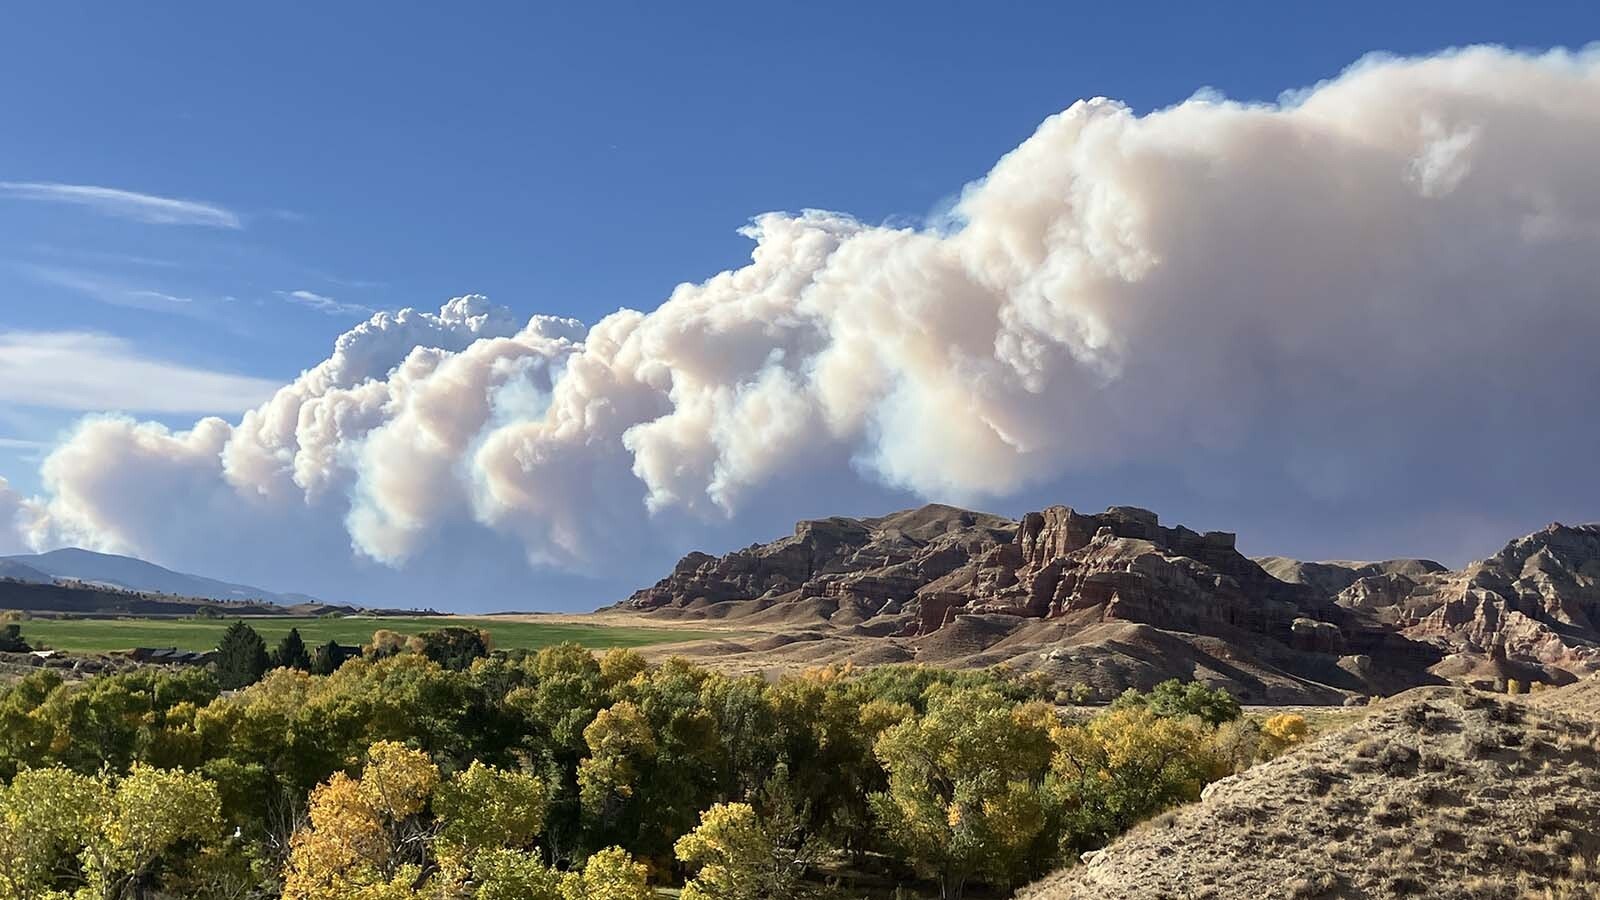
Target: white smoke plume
[(1385, 282)]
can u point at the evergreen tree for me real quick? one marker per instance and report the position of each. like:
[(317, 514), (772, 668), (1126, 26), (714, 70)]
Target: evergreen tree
[(327, 658), (291, 652), (241, 657)]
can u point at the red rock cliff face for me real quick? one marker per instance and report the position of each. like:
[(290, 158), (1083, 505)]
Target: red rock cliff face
[(917, 572), (1537, 600), (932, 565), (878, 562), (1124, 565)]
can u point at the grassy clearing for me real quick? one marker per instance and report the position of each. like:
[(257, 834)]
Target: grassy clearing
[(102, 635)]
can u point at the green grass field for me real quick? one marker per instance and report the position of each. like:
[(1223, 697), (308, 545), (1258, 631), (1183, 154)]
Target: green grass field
[(102, 635)]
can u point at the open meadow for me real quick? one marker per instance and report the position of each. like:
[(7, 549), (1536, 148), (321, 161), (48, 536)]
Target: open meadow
[(105, 635)]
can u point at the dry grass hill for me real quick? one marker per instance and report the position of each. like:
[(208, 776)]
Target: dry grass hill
[(1439, 792)]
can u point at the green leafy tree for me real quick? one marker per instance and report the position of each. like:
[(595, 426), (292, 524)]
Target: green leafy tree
[(620, 744), (241, 657), (153, 813), (1173, 699), (46, 817), (1126, 765), (102, 836), (965, 779), (682, 776), (484, 807), (503, 874), (453, 647), (291, 652)]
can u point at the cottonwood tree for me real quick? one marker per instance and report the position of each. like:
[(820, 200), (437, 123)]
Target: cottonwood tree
[(964, 796), (116, 832), (611, 874), (1126, 765), (361, 839)]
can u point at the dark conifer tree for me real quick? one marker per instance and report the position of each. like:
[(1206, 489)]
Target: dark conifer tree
[(327, 658), (292, 653), (241, 657)]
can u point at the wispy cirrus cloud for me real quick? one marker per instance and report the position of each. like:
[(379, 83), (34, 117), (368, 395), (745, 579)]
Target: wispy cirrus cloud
[(107, 289), (325, 304), (85, 371), (149, 208), (104, 257)]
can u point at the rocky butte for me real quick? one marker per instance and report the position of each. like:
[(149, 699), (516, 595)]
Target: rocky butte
[(1117, 599)]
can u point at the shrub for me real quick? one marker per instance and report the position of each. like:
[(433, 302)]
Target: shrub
[(11, 639)]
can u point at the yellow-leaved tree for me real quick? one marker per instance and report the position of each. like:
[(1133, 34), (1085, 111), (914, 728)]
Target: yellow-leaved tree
[(732, 854), (118, 830), (1281, 732), (619, 740), (610, 874), (373, 838), (362, 839)]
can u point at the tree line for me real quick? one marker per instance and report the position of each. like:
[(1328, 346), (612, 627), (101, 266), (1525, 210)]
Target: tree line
[(435, 768)]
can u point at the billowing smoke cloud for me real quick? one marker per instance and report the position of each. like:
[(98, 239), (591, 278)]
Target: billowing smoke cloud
[(1381, 286)]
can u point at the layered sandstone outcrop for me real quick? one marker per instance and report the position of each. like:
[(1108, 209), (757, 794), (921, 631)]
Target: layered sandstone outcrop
[(1536, 601), (868, 561), (948, 581)]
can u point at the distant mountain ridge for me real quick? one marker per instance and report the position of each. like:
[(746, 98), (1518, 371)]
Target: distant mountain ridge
[(133, 574), (16, 571)]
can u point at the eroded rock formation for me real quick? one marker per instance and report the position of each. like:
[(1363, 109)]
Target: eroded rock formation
[(1530, 611)]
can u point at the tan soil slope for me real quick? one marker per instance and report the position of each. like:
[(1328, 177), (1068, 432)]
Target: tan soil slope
[(1579, 699), (1439, 792)]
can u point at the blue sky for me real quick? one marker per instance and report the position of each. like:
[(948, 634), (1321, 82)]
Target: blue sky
[(560, 158)]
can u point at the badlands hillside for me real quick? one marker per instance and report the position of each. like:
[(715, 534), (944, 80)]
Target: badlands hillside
[(1117, 599), (1438, 792)]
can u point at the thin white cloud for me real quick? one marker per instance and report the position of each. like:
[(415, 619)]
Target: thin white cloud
[(148, 208), (99, 256), (95, 372), (10, 443), (107, 289), (325, 304)]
